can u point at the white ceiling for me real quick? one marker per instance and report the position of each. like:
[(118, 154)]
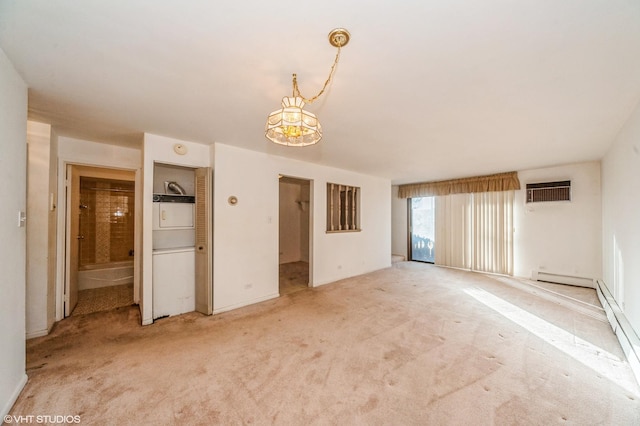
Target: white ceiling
[(425, 90)]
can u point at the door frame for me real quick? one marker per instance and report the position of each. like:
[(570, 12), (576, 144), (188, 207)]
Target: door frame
[(72, 244), (63, 238), (311, 223)]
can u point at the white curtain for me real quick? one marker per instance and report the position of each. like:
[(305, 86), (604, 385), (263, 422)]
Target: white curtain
[(453, 230), (475, 231), (493, 232)]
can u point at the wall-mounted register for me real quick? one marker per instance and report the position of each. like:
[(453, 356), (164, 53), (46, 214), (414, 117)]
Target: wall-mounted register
[(549, 191)]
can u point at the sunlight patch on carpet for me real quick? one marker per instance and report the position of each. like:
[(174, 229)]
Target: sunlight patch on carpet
[(588, 354)]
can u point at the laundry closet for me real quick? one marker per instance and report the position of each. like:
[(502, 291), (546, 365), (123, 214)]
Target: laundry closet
[(181, 259)]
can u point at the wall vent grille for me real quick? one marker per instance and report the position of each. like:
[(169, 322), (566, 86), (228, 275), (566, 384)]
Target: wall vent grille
[(549, 191)]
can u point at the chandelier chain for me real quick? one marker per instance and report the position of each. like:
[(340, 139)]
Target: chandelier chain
[(296, 88)]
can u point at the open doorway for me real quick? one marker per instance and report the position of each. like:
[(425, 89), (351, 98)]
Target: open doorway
[(100, 239), (295, 231)]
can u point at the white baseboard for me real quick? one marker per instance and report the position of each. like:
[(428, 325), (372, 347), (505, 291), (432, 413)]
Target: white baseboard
[(37, 333), (40, 333), (14, 396), (243, 304), (626, 335)]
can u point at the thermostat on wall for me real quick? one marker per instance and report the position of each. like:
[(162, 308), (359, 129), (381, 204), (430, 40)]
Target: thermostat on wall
[(180, 149)]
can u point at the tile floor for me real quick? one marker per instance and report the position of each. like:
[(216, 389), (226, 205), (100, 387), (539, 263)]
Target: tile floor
[(103, 299)]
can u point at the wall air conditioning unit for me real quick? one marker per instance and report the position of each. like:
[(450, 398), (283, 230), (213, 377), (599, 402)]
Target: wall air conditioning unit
[(549, 191)]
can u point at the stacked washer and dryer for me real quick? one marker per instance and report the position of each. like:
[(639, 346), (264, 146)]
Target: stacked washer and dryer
[(173, 251)]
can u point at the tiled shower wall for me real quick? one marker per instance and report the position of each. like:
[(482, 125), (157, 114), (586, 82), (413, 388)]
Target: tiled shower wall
[(106, 221)]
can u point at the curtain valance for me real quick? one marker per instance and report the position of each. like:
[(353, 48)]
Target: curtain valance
[(489, 183)]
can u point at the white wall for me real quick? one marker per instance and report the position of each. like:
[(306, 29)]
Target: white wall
[(37, 294), (559, 237), (13, 171), (246, 235), (399, 224), (160, 149), (621, 220), (83, 152)]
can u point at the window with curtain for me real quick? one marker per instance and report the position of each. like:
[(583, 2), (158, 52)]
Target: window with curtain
[(474, 220)]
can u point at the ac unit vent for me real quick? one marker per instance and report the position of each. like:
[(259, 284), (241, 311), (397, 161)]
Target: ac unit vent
[(549, 191)]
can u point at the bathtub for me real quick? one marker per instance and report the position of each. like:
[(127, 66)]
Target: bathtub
[(106, 275)]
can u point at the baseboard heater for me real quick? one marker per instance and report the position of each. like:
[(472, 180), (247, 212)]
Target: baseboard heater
[(621, 327), (563, 279)]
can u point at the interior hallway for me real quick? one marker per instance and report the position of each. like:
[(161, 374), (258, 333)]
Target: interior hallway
[(410, 344)]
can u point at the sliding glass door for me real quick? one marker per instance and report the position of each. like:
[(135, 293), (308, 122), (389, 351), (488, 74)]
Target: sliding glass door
[(422, 229)]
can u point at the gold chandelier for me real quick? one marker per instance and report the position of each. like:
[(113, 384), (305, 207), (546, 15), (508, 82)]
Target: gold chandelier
[(292, 125)]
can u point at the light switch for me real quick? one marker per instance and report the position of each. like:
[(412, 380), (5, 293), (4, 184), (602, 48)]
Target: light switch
[(22, 218)]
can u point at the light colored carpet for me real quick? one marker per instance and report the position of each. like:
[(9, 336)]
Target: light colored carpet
[(411, 344)]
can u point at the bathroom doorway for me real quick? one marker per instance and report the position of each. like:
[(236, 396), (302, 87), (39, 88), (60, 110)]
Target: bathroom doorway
[(100, 239), (294, 234)]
